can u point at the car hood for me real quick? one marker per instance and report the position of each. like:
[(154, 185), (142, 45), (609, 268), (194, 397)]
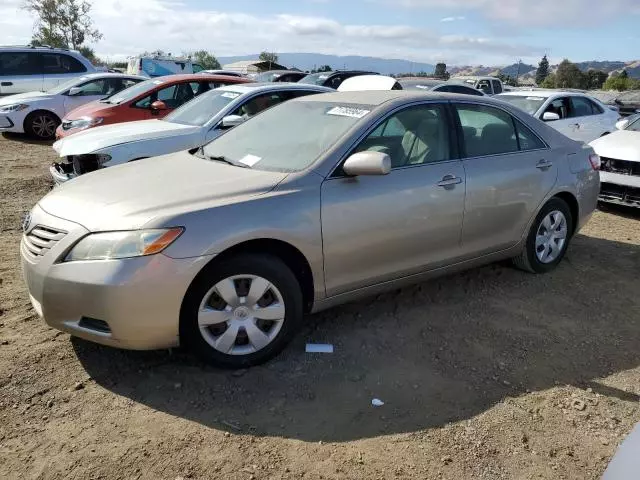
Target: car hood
[(130, 196), (24, 97), (91, 109), (621, 145), (105, 136)]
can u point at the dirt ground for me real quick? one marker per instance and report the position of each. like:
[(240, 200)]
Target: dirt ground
[(490, 374)]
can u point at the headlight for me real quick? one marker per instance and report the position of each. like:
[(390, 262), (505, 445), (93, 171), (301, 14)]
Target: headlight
[(112, 245), (13, 108), (85, 122)]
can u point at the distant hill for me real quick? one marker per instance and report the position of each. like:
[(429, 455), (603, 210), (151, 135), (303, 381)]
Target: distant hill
[(387, 66), (309, 61)]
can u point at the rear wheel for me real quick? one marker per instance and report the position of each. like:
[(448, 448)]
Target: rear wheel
[(41, 125), (242, 311), (548, 238)]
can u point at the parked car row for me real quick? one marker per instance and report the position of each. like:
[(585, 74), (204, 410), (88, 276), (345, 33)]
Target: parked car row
[(225, 242)]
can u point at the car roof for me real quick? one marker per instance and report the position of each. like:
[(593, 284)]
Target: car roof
[(545, 93), (110, 75), (377, 98), (268, 86), (282, 71), (176, 78)]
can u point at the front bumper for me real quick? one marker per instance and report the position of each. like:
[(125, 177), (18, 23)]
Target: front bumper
[(60, 177), (8, 124), (131, 303), (620, 189)]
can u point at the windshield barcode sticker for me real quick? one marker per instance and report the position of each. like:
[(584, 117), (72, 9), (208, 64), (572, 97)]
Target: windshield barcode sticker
[(230, 95), (250, 160), (348, 112)]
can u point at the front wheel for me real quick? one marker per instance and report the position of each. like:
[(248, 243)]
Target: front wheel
[(241, 311), (41, 125), (548, 238)]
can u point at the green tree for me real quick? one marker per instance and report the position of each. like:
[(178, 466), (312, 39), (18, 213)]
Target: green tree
[(549, 82), (90, 54), (207, 60), (270, 57), (325, 68), (620, 83), (62, 23), (569, 75), (596, 79), (623, 74), (441, 71), (543, 70)]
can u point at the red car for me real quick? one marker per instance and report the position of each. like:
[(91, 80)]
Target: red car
[(152, 98)]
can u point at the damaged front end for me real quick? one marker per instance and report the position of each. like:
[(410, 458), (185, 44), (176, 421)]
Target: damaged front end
[(75, 165)]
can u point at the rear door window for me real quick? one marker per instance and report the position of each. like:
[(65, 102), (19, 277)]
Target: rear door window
[(19, 63), (165, 94), (581, 107), (260, 103), (486, 130), (58, 63)]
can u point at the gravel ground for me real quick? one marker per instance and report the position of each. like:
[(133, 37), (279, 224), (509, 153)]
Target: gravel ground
[(491, 374)]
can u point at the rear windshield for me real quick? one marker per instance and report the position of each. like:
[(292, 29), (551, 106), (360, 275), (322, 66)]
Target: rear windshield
[(529, 104), (202, 108), (288, 137), (133, 92), (315, 79)]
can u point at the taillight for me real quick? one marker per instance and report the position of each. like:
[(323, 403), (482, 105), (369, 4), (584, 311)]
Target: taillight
[(595, 162)]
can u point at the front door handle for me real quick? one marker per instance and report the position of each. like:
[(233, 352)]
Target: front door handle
[(6, 84), (544, 165), (449, 180)]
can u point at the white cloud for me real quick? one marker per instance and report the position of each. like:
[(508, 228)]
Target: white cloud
[(567, 13), (452, 19), (130, 27)]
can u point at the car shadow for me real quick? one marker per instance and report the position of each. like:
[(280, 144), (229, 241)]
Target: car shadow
[(24, 138), (620, 210), (434, 353)]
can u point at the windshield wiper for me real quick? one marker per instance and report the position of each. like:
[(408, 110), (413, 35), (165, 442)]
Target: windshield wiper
[(223, 159)]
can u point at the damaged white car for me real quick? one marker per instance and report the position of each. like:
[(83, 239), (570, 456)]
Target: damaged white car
[(620, 168)]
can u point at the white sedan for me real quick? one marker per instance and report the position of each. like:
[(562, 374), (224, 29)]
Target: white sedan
[(620, 167), (576, 115), (38, 113), (194, 124)]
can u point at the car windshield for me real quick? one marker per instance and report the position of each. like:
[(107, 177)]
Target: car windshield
[(315, 78), (267, 77), (62, 87), (203, 108), (133, 92), (529, 104), (288, 137), (634, 126)]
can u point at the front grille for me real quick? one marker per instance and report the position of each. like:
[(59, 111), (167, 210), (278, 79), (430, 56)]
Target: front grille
[(41, 239), (623, 167), (610, 192)]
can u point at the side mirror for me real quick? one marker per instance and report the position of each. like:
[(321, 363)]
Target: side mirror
[(73, 91), (231, 121), (367, 163), (622, 124), (550, 117), (158, 105)]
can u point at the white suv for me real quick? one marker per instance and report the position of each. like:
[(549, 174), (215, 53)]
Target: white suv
[(28, 69)]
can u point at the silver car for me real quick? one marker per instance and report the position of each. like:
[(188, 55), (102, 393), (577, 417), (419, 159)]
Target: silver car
[(311, 204)]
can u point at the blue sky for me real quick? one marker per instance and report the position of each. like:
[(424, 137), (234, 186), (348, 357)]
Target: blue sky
[(458, 32)]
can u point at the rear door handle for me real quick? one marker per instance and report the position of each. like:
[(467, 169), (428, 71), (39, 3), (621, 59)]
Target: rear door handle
[(6, 84), (449, 180), (544, 165)]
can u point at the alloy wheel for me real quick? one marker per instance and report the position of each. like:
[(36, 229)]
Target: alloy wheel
[(44, 126)]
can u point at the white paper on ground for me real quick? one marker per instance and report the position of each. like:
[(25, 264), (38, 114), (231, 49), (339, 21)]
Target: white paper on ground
[(376, 402), (319, 348)]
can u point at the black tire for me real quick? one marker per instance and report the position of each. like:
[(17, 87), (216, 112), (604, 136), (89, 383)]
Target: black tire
[(528, 260), (35, 122), (265, 266)]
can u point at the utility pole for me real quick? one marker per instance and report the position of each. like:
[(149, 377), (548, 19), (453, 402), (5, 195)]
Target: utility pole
[(518, 74)]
